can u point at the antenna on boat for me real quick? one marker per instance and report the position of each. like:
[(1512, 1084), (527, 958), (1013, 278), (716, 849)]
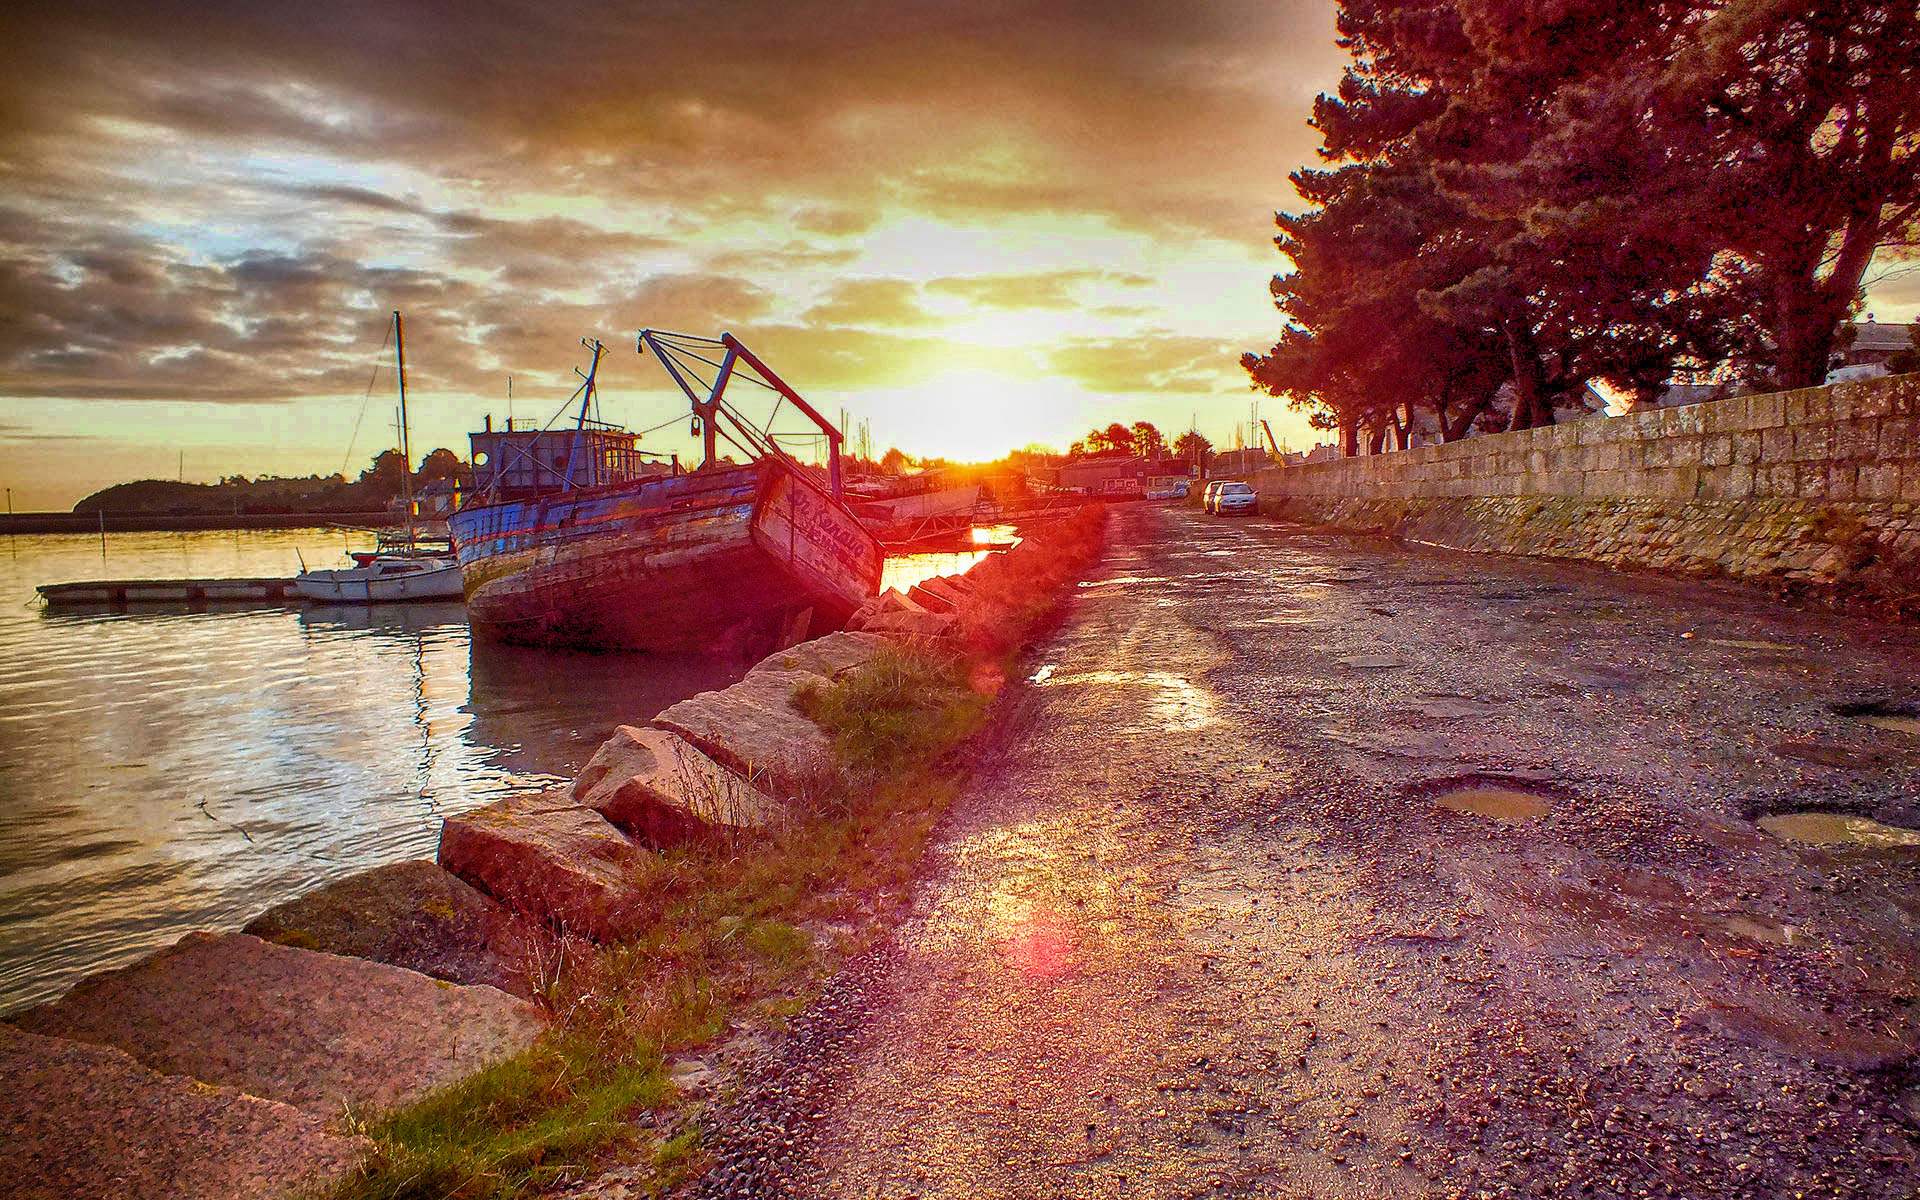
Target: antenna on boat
[(586, 402)]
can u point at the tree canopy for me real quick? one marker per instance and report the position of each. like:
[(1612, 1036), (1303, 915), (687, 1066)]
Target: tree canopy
[(1527, 196)]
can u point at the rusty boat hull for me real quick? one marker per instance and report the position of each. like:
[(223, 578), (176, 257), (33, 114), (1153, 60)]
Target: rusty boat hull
[(719, 559)]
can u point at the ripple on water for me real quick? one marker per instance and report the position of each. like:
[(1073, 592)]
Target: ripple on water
[(170, 771)]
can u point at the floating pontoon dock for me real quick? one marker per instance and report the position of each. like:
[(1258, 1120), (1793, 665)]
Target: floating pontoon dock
[(99, 592)]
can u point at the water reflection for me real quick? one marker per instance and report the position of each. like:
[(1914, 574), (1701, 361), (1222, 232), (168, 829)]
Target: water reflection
[(902, 571), (179, 770), (165, 770)]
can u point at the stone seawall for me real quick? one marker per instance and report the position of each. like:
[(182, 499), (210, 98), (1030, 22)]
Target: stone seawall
[(1819, 486)]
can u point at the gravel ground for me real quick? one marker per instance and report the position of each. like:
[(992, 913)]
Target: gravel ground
[(1199, 925)]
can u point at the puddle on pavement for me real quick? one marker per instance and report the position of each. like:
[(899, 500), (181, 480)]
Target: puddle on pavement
[(1837, 829), (1496, 797), (1123, 581), (1897, 724), (1894, 717), (1499, 803), (1827, 754), (1756, 930)]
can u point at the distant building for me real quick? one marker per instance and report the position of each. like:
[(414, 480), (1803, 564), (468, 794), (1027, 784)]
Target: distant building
[(1871, 344), (520, 461), (1121, 477), (1862, 351), (1238, 464)]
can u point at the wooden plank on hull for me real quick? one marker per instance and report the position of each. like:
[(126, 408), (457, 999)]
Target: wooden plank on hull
[(818, 540)]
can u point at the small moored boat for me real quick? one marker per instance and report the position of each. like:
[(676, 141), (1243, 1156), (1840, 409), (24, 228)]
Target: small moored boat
[(401, 569), (384, 579)]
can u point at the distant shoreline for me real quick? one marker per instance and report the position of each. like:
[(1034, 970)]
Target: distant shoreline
[(69, 522)]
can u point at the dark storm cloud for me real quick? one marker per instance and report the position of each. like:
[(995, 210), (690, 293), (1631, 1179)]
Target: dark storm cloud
[(810, 119)]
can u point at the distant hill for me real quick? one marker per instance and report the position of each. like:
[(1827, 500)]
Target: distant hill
[(373, 491), (151, 496)]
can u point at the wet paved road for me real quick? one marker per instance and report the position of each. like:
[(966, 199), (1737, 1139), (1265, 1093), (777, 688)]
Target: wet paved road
[(1196, 929)]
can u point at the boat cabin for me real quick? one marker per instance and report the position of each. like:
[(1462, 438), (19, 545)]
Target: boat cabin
[(522, 460)]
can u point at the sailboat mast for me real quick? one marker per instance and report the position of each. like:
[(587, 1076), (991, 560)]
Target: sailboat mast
[(406, 447)]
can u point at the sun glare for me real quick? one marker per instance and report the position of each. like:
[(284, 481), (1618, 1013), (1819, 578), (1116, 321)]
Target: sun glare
[(973, 415)]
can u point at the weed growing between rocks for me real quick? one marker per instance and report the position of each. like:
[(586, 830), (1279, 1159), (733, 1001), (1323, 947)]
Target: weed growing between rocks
[(897, 711), (740, 933)]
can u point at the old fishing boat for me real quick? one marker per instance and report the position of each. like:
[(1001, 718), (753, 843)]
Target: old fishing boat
[(572, 540), (404, 567)]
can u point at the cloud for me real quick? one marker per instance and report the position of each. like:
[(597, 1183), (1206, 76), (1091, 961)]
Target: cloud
[(1055, 289), (870, 302), (1158, 362), (835, 222), (702, 304), (223, 201), (358, 197)]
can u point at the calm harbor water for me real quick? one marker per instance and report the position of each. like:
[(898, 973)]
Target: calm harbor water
[(164, 771)]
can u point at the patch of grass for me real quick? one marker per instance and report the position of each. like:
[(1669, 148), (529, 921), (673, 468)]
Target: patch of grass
[(514, 1128), (898, 711)]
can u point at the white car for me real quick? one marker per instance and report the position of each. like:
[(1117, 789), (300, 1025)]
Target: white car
[(1206, 497), (1234, 497)]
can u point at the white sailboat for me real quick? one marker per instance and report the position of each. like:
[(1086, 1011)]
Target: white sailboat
[(401, 570)]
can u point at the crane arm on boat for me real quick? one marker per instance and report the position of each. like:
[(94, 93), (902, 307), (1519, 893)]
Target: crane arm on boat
[(678, 354)]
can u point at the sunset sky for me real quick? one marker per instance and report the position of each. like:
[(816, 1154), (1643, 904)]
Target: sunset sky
[(978, 225)]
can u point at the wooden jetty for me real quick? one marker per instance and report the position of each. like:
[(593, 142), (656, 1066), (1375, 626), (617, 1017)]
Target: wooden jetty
[(94, 593)]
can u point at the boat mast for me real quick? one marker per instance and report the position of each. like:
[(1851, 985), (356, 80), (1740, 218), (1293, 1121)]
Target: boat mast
[(586, 402), (406, 448)]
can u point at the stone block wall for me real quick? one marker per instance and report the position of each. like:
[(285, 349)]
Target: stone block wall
[(1821, 485)]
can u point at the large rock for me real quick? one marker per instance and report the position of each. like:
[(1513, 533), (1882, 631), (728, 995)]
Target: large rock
[(418, 916), (830, 656), (663, 790), (79, 1121), (937, 595), (755, 729), (318, 1031), (555, 860), (915, 626), (890, 601)]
